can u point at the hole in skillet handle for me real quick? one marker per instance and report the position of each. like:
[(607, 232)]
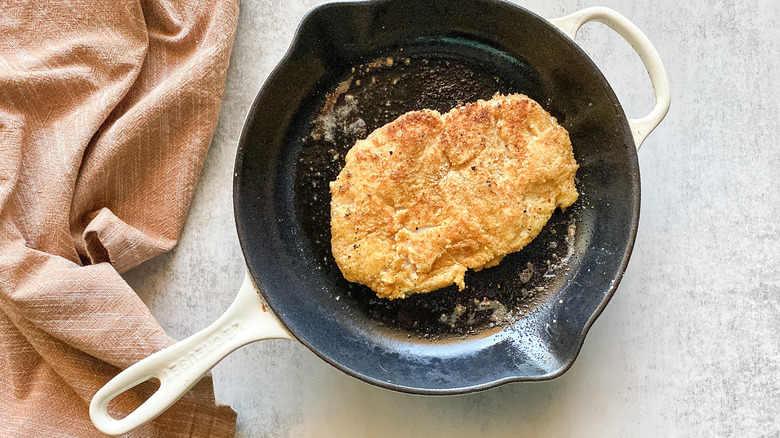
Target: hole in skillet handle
[(620, 64), (132, 398), (435, 74)]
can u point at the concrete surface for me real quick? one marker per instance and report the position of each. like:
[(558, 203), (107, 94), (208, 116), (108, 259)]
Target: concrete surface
[(690, 344)]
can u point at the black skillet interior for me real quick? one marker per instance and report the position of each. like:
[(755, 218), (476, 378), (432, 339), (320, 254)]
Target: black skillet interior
[(356, 66)]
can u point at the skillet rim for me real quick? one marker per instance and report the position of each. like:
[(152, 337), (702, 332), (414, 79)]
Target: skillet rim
[(579, 340)]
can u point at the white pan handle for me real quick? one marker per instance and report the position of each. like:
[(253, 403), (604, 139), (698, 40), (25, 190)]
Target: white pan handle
[(181, 365), (640, 128)]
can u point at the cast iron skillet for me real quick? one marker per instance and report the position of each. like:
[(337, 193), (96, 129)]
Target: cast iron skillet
[(352, 68)]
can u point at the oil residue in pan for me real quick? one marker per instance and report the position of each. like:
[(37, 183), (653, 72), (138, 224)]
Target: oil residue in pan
[(372, 95)]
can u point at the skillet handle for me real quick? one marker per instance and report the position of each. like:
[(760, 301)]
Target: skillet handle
[(181, 365), (640, 128)]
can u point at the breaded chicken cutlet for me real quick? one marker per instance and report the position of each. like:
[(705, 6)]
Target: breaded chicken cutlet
[(429, 196)]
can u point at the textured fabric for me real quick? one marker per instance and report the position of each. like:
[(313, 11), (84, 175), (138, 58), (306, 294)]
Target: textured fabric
[(107, 109)]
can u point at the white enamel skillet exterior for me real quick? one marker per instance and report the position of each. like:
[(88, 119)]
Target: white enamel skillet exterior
[(249, 318)]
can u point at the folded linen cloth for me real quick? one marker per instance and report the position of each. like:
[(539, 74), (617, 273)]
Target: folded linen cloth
[(107, 109)]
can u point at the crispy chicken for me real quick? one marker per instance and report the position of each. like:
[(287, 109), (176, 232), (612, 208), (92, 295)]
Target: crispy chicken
[(429, 196)]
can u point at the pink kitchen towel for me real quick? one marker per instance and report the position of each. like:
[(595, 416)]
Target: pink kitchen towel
[(107, 109)]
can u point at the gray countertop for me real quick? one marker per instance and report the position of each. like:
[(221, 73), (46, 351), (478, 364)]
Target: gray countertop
[(690, 343)]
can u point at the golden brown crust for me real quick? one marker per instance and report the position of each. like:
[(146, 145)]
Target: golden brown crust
[(428, 196)]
